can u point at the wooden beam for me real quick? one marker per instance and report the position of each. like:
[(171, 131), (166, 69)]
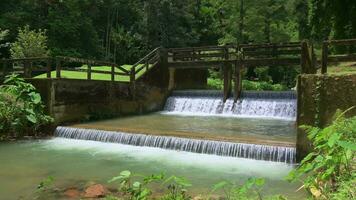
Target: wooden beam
[(341, 58), (342, 42), (271, 62), (198, 64)]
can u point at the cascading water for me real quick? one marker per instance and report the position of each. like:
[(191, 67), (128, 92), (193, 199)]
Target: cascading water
[(280, 105), (251, 151)]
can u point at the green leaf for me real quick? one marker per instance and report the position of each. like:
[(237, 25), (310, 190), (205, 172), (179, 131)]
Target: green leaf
[(333, 139), (220, 185), (136, 184), (347, 145), (31, 118), (260, 181), (35, 97)]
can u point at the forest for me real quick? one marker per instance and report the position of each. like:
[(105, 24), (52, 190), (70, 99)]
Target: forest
[(123, 30)]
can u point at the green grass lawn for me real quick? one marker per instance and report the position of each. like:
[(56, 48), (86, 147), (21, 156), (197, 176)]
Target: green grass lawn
[(95, 76)]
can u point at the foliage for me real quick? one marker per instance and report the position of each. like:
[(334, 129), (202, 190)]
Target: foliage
[(248, 85), (3, 34), (136, 190), (177, 188), (21, 108), (232, 191), (29, 43), (329, 170)]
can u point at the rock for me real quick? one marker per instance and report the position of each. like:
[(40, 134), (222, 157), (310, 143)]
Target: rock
[(72, 193), (95, 191)]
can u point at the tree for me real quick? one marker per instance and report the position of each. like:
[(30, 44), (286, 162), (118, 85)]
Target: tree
[(3, 34), (29, 43)]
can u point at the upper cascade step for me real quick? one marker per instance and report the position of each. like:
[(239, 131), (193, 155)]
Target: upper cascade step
[(266, 104)]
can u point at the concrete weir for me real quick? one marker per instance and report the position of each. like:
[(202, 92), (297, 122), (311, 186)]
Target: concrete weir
[(250, 151)]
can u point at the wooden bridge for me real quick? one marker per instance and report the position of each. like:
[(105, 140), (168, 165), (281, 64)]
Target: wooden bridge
[(231, 58)]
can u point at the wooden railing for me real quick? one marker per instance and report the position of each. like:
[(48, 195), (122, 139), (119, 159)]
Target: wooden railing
[(147, 62), (248, 55), (29, 67), (328, 58)]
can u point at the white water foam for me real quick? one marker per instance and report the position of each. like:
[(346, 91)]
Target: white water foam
[(230, 165), (275, 105)]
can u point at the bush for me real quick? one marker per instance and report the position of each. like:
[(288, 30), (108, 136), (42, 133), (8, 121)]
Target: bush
[(29, 44), (329, 171), (21, 108)]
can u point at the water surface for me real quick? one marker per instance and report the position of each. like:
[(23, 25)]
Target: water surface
[(25, 164)]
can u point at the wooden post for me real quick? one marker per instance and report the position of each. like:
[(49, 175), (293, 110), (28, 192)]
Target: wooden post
[(132, 81), (238, 79), (324, 57), (26, 69), (303, 61), (227, 81), (113, 73), (49, 63), (89, 72), (227, 75), (58, 68), (171, 83)]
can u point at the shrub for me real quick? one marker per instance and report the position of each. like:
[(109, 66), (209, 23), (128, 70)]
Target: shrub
[(29, 43), (329, 171), (21, 108)]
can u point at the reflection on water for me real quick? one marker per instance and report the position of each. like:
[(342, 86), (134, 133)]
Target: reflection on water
[(232, 129), (25, 164)]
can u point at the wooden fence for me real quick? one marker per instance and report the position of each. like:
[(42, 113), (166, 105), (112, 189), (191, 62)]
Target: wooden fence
[(232, 58), (30, 67), (328, 58)]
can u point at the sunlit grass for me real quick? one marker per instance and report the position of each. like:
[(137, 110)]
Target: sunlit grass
[(96, 76)]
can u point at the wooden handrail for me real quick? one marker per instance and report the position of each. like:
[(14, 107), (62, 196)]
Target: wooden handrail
[(326, 58)]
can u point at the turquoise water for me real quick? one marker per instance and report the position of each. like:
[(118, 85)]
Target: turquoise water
[(25, 164)]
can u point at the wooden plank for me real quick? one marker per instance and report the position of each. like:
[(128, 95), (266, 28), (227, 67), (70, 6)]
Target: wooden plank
[(95, 71), (271, 52), (342, 42), (199, 56), (112, 73), (198, 64), (85, 61), (341, 58), (324, 58), (271, 62)]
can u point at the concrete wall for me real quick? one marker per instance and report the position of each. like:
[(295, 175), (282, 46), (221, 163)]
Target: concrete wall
[(69, 100), (319, 96)]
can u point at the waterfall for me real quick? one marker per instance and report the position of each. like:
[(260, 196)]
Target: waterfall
[(267, 104), (250, 151)]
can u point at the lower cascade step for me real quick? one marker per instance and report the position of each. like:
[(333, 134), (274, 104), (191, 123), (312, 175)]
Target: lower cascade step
[(249, 151)]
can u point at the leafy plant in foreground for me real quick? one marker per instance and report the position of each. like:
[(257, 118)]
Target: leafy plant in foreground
[(329, 171), (251, 189), (21, 108), (136, 190)]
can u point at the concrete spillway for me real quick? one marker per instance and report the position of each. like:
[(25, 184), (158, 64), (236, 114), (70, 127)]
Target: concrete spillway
[(251, 151), (278, 105)]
